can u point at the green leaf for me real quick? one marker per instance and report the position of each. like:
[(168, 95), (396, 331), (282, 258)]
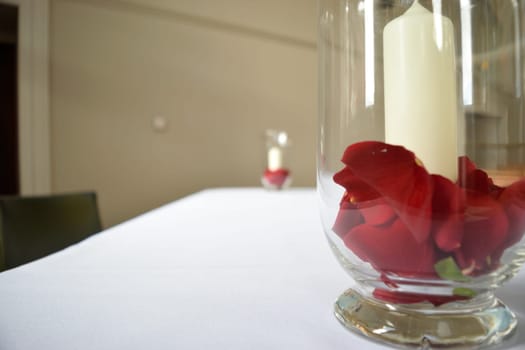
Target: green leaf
[(464, 292), (449, 270)]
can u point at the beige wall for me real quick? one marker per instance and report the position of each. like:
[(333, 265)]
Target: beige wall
[(219, 71)]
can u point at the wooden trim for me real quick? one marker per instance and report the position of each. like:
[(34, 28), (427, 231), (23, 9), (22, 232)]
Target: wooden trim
[(33, 95), (41, 179)]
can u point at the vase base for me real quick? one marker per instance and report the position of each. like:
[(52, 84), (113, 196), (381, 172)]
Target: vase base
[(421, 328)]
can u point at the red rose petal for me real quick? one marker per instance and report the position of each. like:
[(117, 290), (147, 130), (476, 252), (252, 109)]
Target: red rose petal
[(465, 166), (448, 234), (448, 205), (388, 282), (391, 248), (344, 177), (357, 190), (394, 173), (378, 214), (469, 177), (374, 212), (347, 218), (447, 197), (486, 228), (392, 205), (512, 199), (411, 298)]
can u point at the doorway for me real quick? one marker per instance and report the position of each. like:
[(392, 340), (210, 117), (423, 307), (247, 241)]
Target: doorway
[(9, 155)]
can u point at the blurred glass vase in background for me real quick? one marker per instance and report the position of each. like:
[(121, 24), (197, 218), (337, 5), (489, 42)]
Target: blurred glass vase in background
[(276, 175)]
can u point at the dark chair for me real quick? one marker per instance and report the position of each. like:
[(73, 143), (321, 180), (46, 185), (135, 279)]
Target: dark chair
[(33, 227)]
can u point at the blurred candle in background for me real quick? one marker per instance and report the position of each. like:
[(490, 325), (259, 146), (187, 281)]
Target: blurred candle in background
[(275, 158), (276, 176)]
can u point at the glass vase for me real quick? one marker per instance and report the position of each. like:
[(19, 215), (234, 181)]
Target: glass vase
[(421, 163)]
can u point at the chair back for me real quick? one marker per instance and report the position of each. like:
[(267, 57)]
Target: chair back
[(33, 227)]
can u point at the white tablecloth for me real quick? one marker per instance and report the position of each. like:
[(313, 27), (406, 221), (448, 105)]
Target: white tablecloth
[(221, 269)]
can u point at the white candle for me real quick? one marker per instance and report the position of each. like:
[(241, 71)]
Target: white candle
[(275, 159), (420, 88)]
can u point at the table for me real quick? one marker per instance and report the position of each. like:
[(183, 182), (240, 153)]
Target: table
[(222, 269)]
